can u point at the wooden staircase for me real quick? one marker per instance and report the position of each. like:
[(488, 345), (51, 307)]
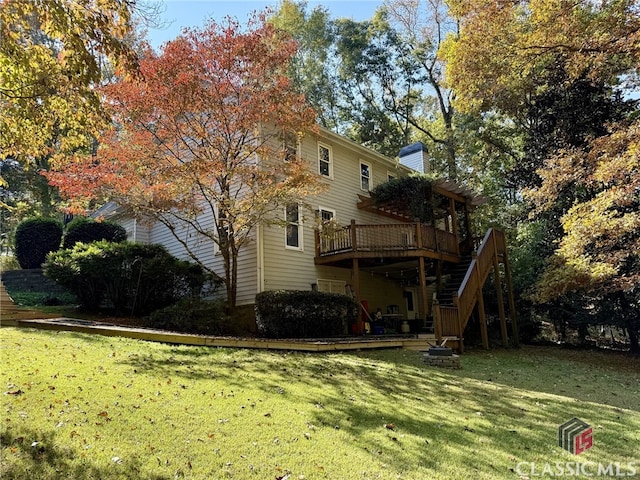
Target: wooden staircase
[(454, 307)]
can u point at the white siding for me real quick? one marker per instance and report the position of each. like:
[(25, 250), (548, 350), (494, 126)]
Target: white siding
[(295, 270), (206, 250)]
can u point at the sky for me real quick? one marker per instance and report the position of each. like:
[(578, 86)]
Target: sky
[(192, 13)]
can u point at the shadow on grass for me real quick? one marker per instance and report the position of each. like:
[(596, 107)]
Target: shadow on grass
[(28, 454), (498, 397)]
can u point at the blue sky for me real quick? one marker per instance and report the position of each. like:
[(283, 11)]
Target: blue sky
[(193, 13)]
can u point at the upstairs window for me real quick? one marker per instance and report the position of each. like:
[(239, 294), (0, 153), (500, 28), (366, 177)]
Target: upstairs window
[(326, 215), (365, 176), (294, 227), (325, 163), (290, 147)]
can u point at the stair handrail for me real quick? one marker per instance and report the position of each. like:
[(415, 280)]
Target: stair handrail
[(470, 285)]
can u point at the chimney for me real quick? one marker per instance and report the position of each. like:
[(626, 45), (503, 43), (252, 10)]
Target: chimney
[(415, 157)]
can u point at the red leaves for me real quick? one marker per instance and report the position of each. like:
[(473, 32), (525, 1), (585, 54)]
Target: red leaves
[(190, 119)]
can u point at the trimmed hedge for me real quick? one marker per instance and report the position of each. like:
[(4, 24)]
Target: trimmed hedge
[(35, 238), (134, 278), (194, 315), (87, 230), (304, 314)]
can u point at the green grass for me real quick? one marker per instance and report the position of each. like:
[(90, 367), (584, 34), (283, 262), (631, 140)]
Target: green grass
[(80, 406)]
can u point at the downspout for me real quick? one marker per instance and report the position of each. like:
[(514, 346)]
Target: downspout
[(135, 229), (260, 270)]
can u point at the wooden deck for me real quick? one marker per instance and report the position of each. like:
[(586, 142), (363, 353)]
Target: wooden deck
[(12, 315), (389, 240), (420, 343)]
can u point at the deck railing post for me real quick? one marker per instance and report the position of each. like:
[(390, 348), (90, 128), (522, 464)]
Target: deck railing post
[(459, 327), (418, 235), (354, 236)]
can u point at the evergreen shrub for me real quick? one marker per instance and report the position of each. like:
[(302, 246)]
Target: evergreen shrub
[(304, 314), (34, 239), (194, 315), (87, 230), (133, 278)]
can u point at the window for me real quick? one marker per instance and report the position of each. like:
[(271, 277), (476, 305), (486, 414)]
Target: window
[(390, 176), (365, 176), (326, 215), (294, 227), (290, 146), (325, 164), (331, 286)]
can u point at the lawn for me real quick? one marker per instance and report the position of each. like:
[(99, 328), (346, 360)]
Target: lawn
[(82, 406)]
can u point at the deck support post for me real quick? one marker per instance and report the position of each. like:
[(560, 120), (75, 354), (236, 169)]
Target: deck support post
[(500, 298), (355, 276), (438, 277), (454, 223), (512, 304), (422, 274), (459, 328), (480, 304), (437, 320), (483, 320)]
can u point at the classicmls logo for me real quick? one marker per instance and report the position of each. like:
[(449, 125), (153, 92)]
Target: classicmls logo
[(575, 436)]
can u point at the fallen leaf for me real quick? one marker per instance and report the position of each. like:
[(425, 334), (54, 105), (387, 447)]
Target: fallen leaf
[(14, 392), (390, 426)]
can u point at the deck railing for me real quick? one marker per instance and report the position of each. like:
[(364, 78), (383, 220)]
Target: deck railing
[(385, 237)]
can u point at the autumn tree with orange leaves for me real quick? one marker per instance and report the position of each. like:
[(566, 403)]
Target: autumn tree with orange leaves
[(197, 143)]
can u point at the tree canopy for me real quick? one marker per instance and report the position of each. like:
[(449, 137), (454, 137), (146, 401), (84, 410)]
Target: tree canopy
[(202, 134), (504, 48), (51, 54)]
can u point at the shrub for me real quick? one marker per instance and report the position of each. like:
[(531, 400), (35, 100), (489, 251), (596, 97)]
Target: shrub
[(8, 262), (134, 278), (304, 314), (87, 230), (35, 237), (194, 315)]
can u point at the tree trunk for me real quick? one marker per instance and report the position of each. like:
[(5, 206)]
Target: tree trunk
[(634, 339)]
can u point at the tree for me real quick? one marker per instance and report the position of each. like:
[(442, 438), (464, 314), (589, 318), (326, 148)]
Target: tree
[(559, 71), (51, 54), (422, 27), (502, 50), (313, 67), (599, 253), (202, 135)]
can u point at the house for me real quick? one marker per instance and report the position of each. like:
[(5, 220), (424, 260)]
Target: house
[(420, 275)]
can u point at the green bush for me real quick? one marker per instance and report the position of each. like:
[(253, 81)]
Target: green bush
[(35, 238), (87, 230), (194, 315), (133, 278), (8, 262), (304, 314)]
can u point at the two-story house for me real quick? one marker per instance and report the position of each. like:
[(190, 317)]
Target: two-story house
[(378, 253)]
